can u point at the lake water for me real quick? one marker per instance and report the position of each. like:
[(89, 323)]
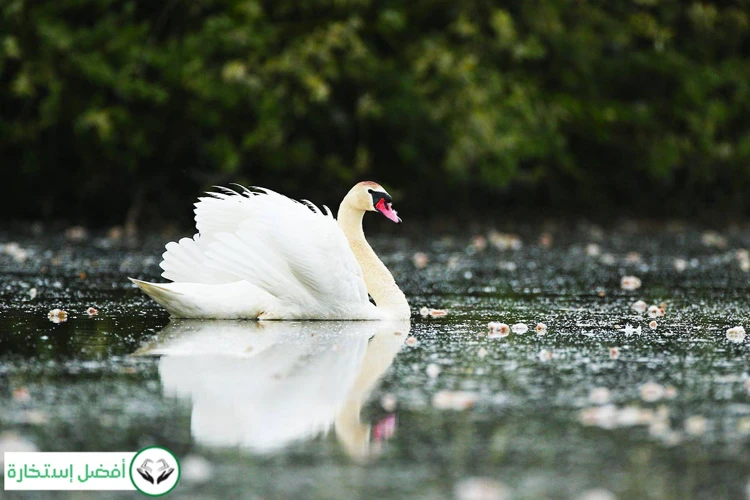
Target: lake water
[(436, 408)]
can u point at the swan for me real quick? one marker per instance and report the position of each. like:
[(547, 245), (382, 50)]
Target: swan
[(261, 255)]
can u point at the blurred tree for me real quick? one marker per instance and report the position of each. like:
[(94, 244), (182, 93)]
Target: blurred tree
[(107, 106)]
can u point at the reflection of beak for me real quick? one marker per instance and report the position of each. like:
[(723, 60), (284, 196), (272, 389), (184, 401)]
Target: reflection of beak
[(387, 210), (385, 428)]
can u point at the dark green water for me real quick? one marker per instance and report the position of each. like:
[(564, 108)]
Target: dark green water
[(349, 410)]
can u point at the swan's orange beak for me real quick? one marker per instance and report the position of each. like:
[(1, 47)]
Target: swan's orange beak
[(387, 210)]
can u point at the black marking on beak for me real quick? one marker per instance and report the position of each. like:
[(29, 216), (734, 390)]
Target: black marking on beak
[(379, 195)]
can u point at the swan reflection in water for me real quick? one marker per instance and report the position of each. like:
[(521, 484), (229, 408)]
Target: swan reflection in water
[(265, 385)]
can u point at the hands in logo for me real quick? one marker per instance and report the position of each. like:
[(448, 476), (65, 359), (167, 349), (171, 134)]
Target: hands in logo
[(164, 470)]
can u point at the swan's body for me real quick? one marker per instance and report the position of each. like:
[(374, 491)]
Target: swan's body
[(261, 255)]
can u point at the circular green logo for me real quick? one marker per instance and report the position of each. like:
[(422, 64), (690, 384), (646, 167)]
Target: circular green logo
[(154, 471)]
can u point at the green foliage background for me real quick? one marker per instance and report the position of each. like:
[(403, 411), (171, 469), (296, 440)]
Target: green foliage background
[(564, 104)]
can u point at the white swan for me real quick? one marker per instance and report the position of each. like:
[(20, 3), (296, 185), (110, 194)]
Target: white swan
[(261, 255)]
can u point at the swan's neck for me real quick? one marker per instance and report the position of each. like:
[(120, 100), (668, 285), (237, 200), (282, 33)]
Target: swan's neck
[(379, 281)]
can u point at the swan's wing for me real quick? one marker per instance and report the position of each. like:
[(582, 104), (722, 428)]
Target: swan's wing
[(185, 261), (292, 250)]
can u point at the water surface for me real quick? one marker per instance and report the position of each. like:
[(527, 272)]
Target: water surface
[(407, 410)]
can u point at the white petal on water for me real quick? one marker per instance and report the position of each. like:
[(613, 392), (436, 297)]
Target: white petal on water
[(57, 316), (545, 355), (454, 400), (597, 494), (437, 313), (388, 402), (10, 441), (713, 239), (695, 425), (593, 250), (498, 330), (608, 259), (632, 257), (546, 240), (76, 233), (480, 488), (420, 260), (195, 469), (633, 415), (670, 392), (519, 328), (630, 282), (736, 334), (599, 395), (479, 243), (507, 266), (600, 416), (680, 265), (639, 306), (505, 241), (651, 392), (15, 251)]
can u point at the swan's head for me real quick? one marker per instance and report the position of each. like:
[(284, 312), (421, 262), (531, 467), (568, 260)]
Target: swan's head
[(371, 197)]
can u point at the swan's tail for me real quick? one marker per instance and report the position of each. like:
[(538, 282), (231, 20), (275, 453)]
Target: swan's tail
[(238, 300), (159, 292)]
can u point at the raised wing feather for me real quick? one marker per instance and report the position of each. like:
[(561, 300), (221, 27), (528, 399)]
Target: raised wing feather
[(292, 250), (185, 262), (314, 247)]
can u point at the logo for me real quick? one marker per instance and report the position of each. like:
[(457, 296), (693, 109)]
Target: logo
[(154, 471)]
